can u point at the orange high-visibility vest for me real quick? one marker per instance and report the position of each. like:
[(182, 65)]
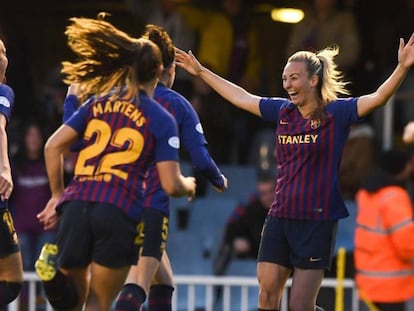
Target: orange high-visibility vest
[(384, 245)]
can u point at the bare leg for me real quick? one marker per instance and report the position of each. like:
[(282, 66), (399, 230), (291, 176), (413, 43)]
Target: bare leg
[(164, 273), (105, 284), (11, 268), (305, 288), (272, 279), (80, 279), (145, 271), (11, 278)]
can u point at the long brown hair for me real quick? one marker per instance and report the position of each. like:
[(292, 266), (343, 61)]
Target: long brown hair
[(108, 58)]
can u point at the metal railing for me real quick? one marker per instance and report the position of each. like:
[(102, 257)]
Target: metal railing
[(194, 292)]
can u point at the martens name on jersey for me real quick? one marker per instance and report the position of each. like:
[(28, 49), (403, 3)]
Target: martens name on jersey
[(126, 108), (297, 139)]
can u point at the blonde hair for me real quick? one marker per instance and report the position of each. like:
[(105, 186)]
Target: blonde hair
[(331, 80), (109, 60)]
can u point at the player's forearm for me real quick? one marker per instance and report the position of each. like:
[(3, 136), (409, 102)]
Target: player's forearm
[(204, 164), (231, 92), (4, 157), (54, 167)]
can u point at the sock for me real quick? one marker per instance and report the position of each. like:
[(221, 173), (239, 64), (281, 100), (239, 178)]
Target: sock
[(60, 292), (130, 298), (8, 292), (159, 298)]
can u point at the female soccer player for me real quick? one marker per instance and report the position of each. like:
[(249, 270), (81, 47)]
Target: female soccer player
[(123, 132), (11, 267), (153, 260), (312, 127)]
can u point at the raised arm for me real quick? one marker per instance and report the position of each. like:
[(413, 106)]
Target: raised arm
[(230, 91), (370, 102)]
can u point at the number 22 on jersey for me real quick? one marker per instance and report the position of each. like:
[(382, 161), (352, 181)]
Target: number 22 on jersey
[(104, 138)]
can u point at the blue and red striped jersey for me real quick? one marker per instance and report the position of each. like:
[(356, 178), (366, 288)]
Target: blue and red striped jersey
[(121, 140), (308, 157), (6, 107), (191, 138)]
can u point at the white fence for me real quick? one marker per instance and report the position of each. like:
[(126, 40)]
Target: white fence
[(197, 293)]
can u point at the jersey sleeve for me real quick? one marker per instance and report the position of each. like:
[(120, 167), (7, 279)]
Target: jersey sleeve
[(193, 140), (6, 100), (165, 130), (203, 163), (69, 106), (77, 120), (345, 110), (270, 107), (190, 129)]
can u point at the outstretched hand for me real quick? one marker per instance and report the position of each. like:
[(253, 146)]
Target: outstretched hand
[(188, 62), (406, 52), (408, 135)]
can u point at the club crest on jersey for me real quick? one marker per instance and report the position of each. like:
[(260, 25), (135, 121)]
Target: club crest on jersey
[(174, 142), (4, 102), (314, 124)]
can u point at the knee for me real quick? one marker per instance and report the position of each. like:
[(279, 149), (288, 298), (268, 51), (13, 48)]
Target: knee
[(11, 290), (267, 297)]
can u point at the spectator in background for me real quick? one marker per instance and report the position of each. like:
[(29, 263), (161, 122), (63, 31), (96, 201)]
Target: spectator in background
[(241, 236), (165, 13), (234, 55), (358, 159), (384, 238), (244, 67), (52, 97), (31, 193), (325, 25)]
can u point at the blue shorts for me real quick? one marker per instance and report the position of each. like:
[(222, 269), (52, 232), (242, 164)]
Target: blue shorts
[(95, 232), (8, 237), (153, 233), (301, 244)]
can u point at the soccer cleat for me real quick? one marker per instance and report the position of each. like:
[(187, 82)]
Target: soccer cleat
[(46, 263)]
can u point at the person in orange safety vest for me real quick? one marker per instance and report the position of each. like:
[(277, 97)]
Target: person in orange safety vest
[(384, 237)]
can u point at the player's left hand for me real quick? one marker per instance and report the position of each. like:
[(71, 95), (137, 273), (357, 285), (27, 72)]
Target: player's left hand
[(408, 134), (406, 52)]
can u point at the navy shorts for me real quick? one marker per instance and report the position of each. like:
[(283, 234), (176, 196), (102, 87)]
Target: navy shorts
[(96, 232), (302, 244), (9, 243), (153, 233)]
